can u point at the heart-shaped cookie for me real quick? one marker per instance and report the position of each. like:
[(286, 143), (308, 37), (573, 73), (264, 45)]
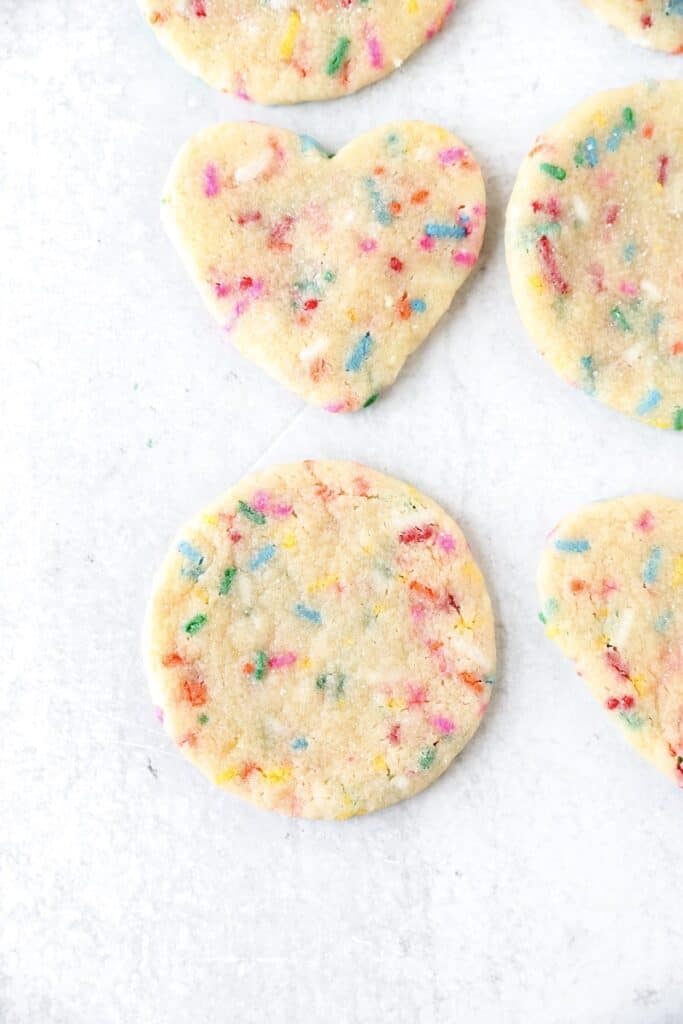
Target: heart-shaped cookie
[(611, 588), (327, 272), (276, 51)]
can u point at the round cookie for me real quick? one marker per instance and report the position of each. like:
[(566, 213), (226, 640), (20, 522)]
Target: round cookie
[(611, 589), (327, 272), (655, 23), (284, 52), (594, 241), (320, 640)]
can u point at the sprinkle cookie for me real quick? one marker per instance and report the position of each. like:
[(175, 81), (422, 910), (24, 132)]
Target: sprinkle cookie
[(320, 640), (595, 249), (277, 51), (327, 272), (611, 589), (655, 23)]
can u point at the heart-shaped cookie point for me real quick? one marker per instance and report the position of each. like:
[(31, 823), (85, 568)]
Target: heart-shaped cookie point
[(327, 272), (611, 590), (288, 52)]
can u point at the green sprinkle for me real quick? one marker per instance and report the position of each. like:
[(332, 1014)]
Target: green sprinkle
[(427, 758), (554, 171), (629, 119), (331, 679), (195, 624), (619, 320), (261, 665), (321, 683), (227, 581), (338, 54), (371, 400), (203, 719), (150, 442), (330, 276), (251, 514), (678, 419)]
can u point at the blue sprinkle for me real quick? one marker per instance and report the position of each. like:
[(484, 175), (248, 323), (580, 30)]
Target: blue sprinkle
[(360, 353), (656, 323), (588, 367), (262, 556), (574, 547), (418, 305), (630, 252), (651, 571), (614, 140), (549, 610), (445, 231), (308, 613), (300, 743), (663, 621), (591, 151), (379, 207), (195, 557), (490, 680), (650, 402), (309, 144), (674, 7)]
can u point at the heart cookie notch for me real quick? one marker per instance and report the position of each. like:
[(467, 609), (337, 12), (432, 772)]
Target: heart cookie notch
[(287, 52), (328, 272), (611, 590)]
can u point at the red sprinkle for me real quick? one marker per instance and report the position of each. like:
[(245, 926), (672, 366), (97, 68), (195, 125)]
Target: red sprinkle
[(548, 258), (663, 175), (395, 264), (418, 534)]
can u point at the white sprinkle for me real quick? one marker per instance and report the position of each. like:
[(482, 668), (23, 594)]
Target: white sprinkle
[(314, 349), (252, 170), (581, 210), (650, 290)]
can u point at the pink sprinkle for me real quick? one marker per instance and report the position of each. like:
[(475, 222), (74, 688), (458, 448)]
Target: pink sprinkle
[(211, 183), (646, 523), (336, 407), (451, 156), (427, 243), (417, 612), (368, 245), (444, 725), (627, 288), (241, 88), (374, 48), (417, 695), (159, 715), (281, 511), (222, 289), (260, 501), (282, 660), (467, 259), (395, 735), (446, 542)]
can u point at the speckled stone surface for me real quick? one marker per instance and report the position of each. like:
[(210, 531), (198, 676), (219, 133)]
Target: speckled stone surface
[(543, 879)]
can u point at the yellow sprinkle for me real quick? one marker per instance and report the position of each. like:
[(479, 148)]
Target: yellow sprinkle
[(351, 313), (289, 38), (464, 626), (380, 764), (536, 282), (226, 775), (305, 663), (678, 572), (413, 7), (640, 685), (277, 775), (471, 570), (552, 631), (201, 594), (378, 609), (600, 119), (289, 541), (322, 583), (394, 703), (210, 519)]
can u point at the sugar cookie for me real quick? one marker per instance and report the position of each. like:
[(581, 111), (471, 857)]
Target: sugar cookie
[(327, 272), (595, 249), (320, 640), (611, 589)]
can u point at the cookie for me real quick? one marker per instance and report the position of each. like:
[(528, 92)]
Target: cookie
[(611, 589), (655, 23), (327, 271), (320, 640), (285, 52), (594, 244)]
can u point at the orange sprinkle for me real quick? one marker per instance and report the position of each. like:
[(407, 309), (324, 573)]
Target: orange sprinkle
[(394, 207), (172, 659), (421, 196), (469, 679), (648, 130), (577, 586), (194, 691)]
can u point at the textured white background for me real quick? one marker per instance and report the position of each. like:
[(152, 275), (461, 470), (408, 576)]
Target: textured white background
[(541, 880)]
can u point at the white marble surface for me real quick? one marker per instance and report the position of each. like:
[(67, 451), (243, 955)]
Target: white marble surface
[(541, 880)]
